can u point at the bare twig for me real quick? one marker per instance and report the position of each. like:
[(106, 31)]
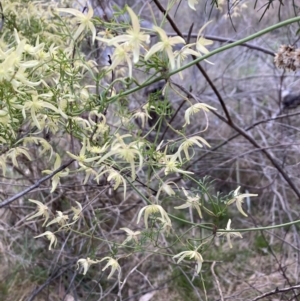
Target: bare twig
[(243, 133), (36, 185), (277, 291), (207, 78), (226, 40), (217, 280)]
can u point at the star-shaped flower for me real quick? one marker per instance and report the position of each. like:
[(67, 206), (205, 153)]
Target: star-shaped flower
[(153, 209), (239, 199), (191, 254), (50, 236), (166, 45), (56, 178), (192, 201), (83, 19), (42, 210), (134, 37), (114, 265), (201, 41), (131, 235), (60, 219), (228, 234), (85, 263), (192, 4)]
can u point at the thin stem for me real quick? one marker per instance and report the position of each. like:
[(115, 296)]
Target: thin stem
[(206, 56), (36, 185)]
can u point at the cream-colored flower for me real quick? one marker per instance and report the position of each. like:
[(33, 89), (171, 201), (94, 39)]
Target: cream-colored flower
[(44, 144), (89, 171), (166, 45), (85, 263), (82, 157), (84, 21), (60, 219), (166, 225), (195, 109), (172, 165), (14, 152), (166, 187), (238, 199), (191, 254), (100, 126), (201, 41), (35, 105), (128, 152), (114, 176), (114, 265), (134, 37), (51, 237), (3, 162), (184, 146), (42, 210), (122, 54), (143, 114), (77, 211), (192, 4), (182, 54), (228, 234), (153, 209), (56, 178), (131, 235), (191, 202)]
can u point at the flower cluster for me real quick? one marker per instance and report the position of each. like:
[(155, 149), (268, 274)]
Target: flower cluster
[(111, 262), (51, 88)]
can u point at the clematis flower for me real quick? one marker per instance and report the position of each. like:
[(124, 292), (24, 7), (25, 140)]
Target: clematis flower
[(60, 219), (182, 54), (143, 114), (166, 187), (35, 105), (201, 41), (191, 254), (153, 209), (114, 176), (42, 210), (171, 165), (3, 162), (131, 235), (191, 202), (122, 54), (188, 143), (51, 237), (192, 4), (40, 142), (114, 266), (77, 211), (13, 153), (56, 178), (83, 19), (195, 109), (81, 158), (165, 45), (128, 152), (166, 225), (239, 199), (134, 37), (85, 263), (228, 234)]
